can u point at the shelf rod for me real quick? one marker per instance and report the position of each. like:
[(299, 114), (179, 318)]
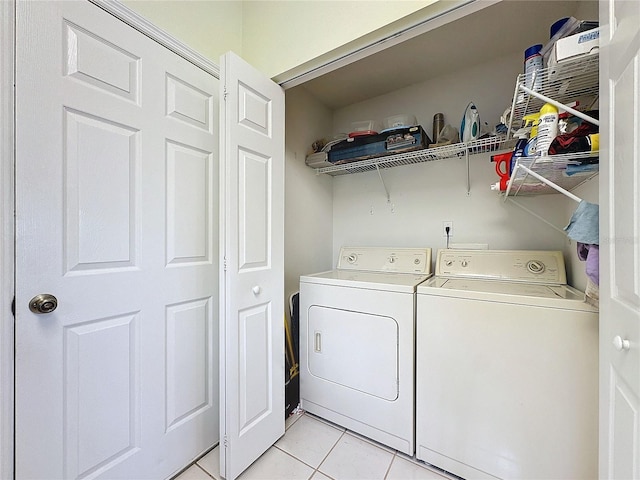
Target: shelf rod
[(561, 106), (468, 174), (513, 109), (546, 181), (384, 185)]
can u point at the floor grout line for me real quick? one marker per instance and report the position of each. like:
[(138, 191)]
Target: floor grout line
[(342, 431), (205, 471), (393, 459), (294, 457), (329, 453)]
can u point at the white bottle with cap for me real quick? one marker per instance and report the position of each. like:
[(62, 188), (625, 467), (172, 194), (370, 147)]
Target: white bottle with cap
[(547, 128)]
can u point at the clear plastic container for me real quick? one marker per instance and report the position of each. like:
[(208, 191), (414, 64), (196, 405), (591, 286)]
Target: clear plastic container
[(365, 126), (399, 121)]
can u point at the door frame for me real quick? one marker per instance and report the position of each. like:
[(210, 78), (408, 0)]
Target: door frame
[(7, 257), (7, 188)]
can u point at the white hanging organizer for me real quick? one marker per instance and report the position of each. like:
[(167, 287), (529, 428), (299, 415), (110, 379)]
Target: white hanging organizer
[(561, 84)]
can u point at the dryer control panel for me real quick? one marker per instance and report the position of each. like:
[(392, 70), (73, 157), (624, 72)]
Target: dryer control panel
[(384, 259), (531, 266)]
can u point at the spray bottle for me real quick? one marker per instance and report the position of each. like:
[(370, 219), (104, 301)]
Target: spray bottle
[(523, 134), (547, 128)]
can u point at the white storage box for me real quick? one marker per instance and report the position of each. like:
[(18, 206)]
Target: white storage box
[(578, 45)]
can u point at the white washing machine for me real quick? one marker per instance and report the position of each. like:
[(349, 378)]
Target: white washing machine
[(357, 342), (507, 368)]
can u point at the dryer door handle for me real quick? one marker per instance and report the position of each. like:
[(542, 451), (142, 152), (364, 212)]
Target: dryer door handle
[(317, 342)]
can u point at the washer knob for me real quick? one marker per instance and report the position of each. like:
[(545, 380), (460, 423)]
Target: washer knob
[(352, 258), (535, 266), (464, 263)]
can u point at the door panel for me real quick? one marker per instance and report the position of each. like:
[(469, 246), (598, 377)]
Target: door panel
[(116, 205), (188, 199), (188, 361), (256, 380), (103, 420), (619, 241), (252, 346), (100, 63), (254, 210), (95, 149)]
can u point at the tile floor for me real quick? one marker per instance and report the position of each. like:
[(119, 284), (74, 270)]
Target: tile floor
[(314, 449)]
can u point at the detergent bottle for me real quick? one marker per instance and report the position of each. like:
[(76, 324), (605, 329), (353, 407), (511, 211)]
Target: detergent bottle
[(547, 128)]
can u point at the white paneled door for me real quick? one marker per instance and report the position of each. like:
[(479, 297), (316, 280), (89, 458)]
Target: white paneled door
[(252, 338), (620, 241), (116, 216)]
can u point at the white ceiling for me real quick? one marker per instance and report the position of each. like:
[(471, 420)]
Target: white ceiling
[(504, 28)]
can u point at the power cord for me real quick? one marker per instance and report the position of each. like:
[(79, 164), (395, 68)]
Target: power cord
[(447, 229)]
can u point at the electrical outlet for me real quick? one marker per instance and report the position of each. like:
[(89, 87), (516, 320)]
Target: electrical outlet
[(444, 228)]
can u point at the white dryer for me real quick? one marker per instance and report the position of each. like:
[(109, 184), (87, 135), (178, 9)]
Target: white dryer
[(357, 340), (507, 368)]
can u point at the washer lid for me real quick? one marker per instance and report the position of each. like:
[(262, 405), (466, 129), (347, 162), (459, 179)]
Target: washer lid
[(389, 282), (561, 296)]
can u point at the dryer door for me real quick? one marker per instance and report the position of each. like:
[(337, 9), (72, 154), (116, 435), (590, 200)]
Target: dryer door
[(355, 350)]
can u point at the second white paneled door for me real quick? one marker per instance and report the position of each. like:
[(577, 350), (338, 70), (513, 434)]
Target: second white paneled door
[(117, 214), (252, 333), (620, 240)]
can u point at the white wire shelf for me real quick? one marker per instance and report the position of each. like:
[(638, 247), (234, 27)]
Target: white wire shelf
[(551, 174), (564, 82), (444, 152)]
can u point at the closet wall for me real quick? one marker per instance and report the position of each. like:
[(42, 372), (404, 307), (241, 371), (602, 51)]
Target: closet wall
[(308, 197), (423, 196)]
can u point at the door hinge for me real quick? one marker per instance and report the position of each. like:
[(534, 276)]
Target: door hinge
[(224, 263), (224, 96), (225, 441), (13, 307)]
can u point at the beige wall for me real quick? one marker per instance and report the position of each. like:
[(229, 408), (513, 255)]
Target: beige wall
[(308, 197), (273, 35), (423, 196), (211, 27), (280, 35)]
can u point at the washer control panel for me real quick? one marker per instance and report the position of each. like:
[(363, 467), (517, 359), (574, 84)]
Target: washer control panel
[(533, 266), (383, 259)]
